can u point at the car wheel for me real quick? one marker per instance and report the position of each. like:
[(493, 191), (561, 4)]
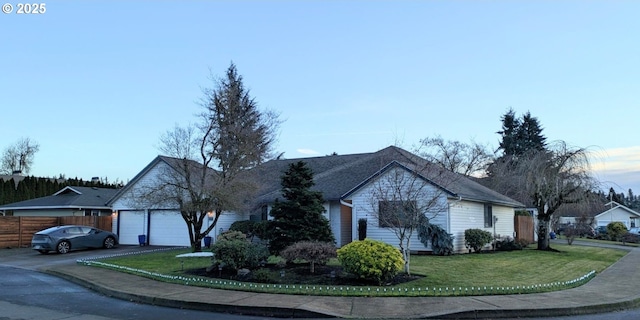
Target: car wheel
[(43, 251), (63, 247), (109, 243)]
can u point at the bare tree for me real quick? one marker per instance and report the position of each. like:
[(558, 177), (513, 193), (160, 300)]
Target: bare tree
[(547, 180), (403, 195), (210, 161), (466, 159), (19, 156)]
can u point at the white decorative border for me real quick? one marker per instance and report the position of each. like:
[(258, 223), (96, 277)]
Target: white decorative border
[(336, 290)]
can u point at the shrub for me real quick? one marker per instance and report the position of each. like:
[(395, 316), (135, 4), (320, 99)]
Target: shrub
[(475, 239), (232, 250), (616, 230), (371, 259), (313, 252), (261, 275), (441, 240), (630, 238), (509, 244)]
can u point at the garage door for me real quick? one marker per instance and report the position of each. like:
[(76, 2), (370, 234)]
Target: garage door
[(167, 228), (131, 224)]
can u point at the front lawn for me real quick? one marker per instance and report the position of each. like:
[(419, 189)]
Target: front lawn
[(522, 271)]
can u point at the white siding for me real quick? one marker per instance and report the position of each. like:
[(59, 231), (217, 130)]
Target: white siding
[(615, 214), (470, 215), (365, 204), (166, 226)]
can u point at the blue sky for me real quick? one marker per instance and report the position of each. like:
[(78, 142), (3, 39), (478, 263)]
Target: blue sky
[(97, 82)]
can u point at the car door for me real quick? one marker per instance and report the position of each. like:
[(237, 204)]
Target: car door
[(93, 237), (76, 237)]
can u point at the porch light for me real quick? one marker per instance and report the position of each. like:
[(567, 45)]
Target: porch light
[(210, 215)]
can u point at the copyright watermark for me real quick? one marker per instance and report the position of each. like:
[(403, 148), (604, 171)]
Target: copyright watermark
[(24, 8)]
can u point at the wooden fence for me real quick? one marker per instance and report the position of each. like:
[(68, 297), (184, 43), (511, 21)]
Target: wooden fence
[(16, 232), (524, 227)]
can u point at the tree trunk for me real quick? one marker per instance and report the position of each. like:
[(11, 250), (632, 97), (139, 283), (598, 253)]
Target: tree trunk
[(543, 232)]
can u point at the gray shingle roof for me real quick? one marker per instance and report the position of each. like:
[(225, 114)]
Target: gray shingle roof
[(68, 197), (338, 175)]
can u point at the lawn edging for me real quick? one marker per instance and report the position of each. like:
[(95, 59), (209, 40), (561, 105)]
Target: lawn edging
[(330, 290)]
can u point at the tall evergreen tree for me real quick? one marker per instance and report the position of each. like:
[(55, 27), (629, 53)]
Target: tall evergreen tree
[(520, 135), (509, 133), (299, 217), (530, 134)]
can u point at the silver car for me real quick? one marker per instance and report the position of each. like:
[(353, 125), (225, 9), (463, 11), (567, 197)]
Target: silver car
[(63, 239)]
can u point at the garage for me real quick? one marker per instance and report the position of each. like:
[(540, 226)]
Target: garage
[(130, 225), (167, 228)]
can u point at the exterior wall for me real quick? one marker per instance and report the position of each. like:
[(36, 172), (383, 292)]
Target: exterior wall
[(365, 206), (615, 214), (163, 226), (470, 215)]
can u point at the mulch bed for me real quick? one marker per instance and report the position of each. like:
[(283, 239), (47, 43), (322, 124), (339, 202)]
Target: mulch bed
[(299, 274)]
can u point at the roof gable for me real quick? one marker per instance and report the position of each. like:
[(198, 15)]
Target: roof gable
[(616, 207)]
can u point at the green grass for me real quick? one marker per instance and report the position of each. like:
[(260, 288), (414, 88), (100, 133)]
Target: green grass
[(538, 271), (525, 267)]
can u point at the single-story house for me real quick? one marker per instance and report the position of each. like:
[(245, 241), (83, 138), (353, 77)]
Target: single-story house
[(70, 201), (618, 212), (349, 184)]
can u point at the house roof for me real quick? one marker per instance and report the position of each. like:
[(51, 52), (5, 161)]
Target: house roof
[(338, 176), (71, 197), (614, 205)]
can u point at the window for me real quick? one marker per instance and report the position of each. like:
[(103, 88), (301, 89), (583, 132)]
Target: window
[(488, 216), (634, 222), (393, 214), (264, 213)]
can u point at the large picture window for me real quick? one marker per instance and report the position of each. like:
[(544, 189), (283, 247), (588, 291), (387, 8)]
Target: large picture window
[(394, 214)]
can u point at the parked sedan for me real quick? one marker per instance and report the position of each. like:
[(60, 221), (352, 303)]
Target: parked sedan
[(63, 239)]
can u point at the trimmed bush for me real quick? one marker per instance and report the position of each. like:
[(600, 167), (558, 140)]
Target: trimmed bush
[(313, 252), (371, 259), (475, 239), (616, 230), (509, 244), (233, 250)]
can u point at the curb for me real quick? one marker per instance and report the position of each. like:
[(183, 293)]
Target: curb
[(276, 312)]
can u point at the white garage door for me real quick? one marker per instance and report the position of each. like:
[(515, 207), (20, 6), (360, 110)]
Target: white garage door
[(132, 224), (167, 228)]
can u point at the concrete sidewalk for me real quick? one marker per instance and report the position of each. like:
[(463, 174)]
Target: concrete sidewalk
[(616, 288)]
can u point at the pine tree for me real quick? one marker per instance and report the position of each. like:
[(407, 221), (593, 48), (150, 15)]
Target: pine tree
[(520, 136), (509, 133), (299, 217)]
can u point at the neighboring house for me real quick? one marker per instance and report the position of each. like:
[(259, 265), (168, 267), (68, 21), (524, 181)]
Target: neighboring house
[(618, 212), (347, 183), (70, 201)]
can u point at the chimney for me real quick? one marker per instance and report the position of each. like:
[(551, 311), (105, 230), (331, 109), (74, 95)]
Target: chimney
[(17, 172)]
